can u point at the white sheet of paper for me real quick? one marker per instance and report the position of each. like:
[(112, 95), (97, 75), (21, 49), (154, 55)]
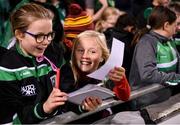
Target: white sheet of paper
[(115, 59)]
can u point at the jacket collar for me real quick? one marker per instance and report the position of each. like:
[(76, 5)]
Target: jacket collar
[(161, 38), (19, 50)]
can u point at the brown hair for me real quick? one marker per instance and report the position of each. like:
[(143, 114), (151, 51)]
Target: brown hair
[(175, 6), (156, 20), (25, 15)]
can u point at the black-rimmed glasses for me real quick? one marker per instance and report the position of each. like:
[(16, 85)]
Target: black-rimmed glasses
[(40, 37)]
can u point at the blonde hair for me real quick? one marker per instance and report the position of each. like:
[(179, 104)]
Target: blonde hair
[(100, 39), (106, 13), (25, 15)]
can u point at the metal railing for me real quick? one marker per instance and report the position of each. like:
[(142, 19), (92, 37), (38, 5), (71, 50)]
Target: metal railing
[(71, 116)]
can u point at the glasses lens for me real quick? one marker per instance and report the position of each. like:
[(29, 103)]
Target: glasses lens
[(40, 38), (51, 36)]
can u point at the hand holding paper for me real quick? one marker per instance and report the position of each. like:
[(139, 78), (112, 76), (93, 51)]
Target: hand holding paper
[(90, 90), (115, 59)]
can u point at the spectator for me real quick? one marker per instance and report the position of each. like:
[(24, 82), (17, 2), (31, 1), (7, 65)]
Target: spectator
[(124, 31), (89, 53), (142, 9), (175, 6), (92, 9), (154, 4), (55, 50), (108, 19), (27, 92), (57, 27), (62, 7), (137, 9), (76, 22), (155, 58)]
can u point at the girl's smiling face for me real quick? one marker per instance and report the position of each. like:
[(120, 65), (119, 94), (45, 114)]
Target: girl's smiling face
[(88, 54), (28, 43)]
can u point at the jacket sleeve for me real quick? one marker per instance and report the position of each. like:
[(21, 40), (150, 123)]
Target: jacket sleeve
[(9, 103), (122, 89)]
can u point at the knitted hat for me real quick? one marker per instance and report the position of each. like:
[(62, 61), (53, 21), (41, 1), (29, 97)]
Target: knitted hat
[(77, 21)]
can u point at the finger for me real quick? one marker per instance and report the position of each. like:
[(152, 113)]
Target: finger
[(53, 102), (119, 68), (86, 107), (89, 101), (56, 104), (54, 92), (59, 93), (59, 99), (111, 71), (118, 73), (115, 77), (95, 101), (99, 101), (89, 104)]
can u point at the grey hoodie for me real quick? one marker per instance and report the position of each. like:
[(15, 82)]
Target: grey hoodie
[(144, 70)]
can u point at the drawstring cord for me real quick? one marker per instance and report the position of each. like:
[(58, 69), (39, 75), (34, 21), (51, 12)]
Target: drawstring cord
[(54, 68)]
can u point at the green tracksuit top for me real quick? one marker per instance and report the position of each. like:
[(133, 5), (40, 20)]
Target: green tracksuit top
[(25, 85)]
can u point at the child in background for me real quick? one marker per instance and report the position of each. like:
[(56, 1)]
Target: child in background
[(92, 10), (108, 19), (155, 61), (155, 58), (124, 31), (76, 22)]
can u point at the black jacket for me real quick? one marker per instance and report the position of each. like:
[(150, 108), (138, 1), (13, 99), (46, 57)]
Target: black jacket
[(25, 85), (126, 38)]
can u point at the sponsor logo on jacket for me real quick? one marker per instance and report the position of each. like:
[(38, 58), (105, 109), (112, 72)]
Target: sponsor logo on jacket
[(28, 90)]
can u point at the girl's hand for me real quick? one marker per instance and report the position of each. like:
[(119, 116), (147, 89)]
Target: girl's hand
[(91, 103), (55, 99), (116, 74), (104, 3)]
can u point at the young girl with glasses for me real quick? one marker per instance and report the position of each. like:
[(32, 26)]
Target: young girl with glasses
[(27, 87)]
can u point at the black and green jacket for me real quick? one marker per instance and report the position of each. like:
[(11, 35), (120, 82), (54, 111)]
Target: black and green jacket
[(25, 85)]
